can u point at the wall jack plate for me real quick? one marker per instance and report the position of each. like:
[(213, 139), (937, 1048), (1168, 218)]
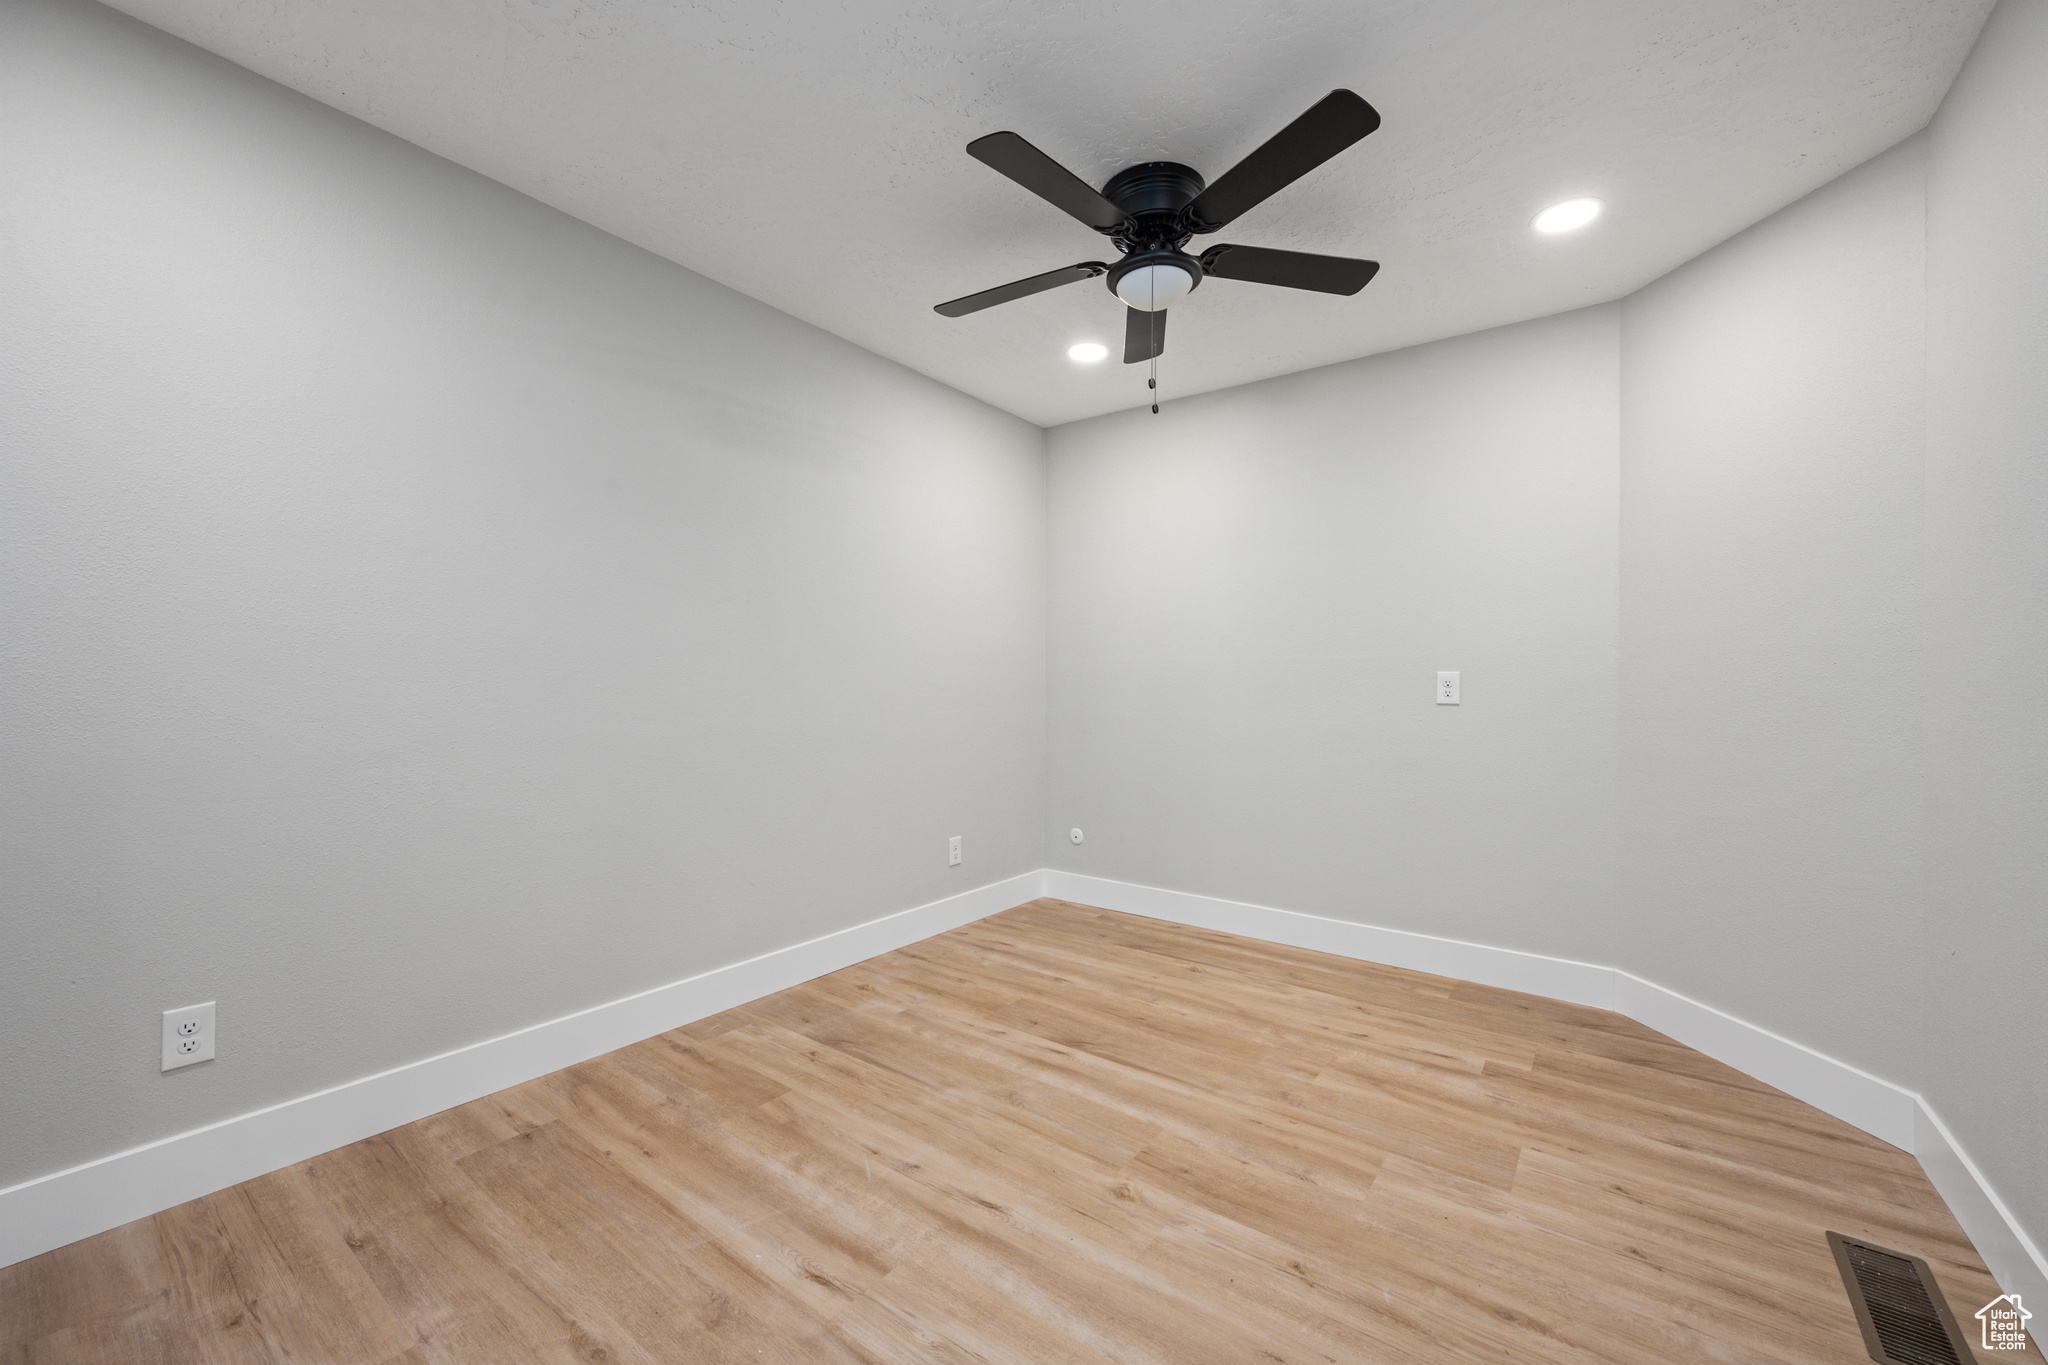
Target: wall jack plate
[(188, 1036)]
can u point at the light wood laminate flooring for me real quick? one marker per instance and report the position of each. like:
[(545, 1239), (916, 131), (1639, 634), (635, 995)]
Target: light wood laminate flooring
[(1060, 1136)]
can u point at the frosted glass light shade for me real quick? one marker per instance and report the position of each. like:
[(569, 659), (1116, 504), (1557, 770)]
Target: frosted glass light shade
[(1150, 288)]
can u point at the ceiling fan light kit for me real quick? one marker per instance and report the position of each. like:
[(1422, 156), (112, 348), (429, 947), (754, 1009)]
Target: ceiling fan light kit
[(1151, 287), (1150, 211)]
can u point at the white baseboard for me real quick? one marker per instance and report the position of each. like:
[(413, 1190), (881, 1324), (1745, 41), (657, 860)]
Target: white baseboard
[(55, 1210), (2009, 1254), (1876, 1106), (1582, 983), (1855, 1096)]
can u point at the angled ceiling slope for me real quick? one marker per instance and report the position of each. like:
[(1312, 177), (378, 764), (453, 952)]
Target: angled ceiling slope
[(811, 155)]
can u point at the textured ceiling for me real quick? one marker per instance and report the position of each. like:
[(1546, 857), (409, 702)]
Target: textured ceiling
[(809, 153)]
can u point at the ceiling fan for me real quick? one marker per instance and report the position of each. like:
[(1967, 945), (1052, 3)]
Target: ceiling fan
[(1149, 211)]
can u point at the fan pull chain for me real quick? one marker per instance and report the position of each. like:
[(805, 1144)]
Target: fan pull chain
[(1152, 322)]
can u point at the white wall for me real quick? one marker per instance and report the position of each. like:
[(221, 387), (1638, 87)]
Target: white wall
[(426, 615), (1987, 557), (1251, 596), (1770, 722)]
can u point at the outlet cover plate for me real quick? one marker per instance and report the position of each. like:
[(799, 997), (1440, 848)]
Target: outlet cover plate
[(188, 1036)]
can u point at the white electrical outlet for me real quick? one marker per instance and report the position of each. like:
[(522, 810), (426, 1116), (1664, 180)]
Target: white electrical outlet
[(953, 851), (1075, 835), (1447, 689), (188, 1036)]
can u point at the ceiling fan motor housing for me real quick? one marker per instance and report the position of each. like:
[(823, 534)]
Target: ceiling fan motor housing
[(1154, 191), (1152, 195)]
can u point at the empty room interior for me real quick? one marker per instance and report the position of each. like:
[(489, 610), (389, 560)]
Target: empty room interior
[(648, 714)]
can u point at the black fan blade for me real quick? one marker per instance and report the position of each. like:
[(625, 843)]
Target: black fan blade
[(1018, 289), (1046, 178), (1144, 334), (1289, 269), (1336, 121)]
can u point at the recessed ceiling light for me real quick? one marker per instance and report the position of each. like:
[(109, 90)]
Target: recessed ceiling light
[(1572, 213), (1087, 352)]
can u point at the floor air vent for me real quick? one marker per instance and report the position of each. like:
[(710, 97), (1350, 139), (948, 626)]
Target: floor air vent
[(1898, 1305)]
